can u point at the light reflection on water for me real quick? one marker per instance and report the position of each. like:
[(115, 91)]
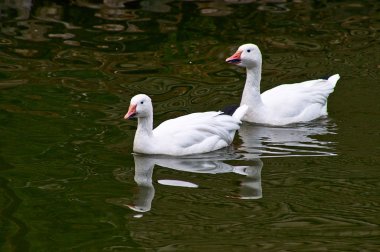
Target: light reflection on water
[(288, 141), (250, 185), (258, 141)]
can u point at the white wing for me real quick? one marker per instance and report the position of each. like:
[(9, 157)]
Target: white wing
[(197, 132), (292, 99)]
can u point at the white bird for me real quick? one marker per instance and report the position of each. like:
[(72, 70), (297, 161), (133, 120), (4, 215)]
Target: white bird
[(284, 104), (190, 134)]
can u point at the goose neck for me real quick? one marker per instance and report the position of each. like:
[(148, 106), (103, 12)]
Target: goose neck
[(251, 94), (145, 126)]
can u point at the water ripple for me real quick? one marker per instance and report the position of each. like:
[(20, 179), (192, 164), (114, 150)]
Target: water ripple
[(14, 228), (68, 71), (78, 58), (297, 45)]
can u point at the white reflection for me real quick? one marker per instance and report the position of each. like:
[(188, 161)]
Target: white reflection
[(250, 185), (179, 183), (293, 140)]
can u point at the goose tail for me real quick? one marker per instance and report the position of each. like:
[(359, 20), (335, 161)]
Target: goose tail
[(333, 79), (240, 112)]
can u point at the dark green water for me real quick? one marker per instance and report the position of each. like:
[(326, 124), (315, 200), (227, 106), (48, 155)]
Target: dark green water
[(69, 182)]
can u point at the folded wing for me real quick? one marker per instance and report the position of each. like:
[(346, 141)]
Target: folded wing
[(198, 132)]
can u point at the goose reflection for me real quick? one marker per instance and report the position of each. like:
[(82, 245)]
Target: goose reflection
[(293, 140), (144, 165)]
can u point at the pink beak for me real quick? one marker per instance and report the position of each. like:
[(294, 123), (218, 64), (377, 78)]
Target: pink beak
[(234, 59), (131, 111)]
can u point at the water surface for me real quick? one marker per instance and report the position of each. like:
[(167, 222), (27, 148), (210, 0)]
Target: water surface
[(69, 180)]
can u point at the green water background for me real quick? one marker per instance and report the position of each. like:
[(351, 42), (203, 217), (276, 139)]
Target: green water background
[(67, 175)]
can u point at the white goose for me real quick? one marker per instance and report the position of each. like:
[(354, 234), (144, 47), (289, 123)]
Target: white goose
[(190, 134), (284, 104)]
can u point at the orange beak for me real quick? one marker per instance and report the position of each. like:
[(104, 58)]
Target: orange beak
[(234, 59), (131, 112)]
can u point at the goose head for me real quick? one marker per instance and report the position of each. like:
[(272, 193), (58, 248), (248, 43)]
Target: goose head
[(141, 106), (247, 55)]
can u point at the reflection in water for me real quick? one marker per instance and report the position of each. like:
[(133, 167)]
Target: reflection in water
[(144, 164), (293, 140)]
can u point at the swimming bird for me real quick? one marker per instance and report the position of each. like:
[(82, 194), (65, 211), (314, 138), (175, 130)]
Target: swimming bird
[(284, 104), (189, 134)]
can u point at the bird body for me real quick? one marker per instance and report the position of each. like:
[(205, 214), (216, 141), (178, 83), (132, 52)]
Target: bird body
[(284, 104), (185, 135)]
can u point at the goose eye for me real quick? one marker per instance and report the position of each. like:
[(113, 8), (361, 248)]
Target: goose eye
[(248, 50), (141, 102)]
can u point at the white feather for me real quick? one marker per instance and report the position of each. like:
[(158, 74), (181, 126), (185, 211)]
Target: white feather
[(190, 134), (284, 104)]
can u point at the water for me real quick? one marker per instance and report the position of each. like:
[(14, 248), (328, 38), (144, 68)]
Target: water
[(68, 180)]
